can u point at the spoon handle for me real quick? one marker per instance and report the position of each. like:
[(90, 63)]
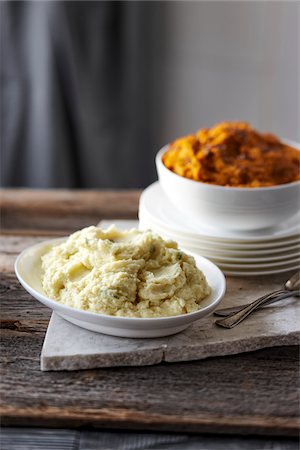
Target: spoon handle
[(269, 298), (294, 282), (235, 319)]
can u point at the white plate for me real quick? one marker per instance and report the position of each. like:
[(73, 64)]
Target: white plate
[(156, 205), (227, 250), (276, 246), (208, 240), (215, 254), (253, 273), (225, 259), (28, 270), (257, 266)]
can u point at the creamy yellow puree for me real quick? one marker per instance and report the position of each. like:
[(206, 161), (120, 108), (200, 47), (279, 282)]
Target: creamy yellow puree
[(123, 273)]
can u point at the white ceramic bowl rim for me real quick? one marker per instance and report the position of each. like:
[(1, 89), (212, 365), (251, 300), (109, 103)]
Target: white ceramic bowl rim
[(124, 320), (163, 150)]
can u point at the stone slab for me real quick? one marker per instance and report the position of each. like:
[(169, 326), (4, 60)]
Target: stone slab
[(68, 347)]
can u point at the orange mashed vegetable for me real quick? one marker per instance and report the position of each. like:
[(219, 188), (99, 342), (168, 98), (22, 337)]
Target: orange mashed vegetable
[(233, 154)]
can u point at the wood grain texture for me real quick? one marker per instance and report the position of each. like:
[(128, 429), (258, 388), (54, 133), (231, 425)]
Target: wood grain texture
[(221, 395), (255, 393), (64, 210)]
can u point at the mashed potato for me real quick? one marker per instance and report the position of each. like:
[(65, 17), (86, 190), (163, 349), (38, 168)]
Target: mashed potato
[(129, 273)]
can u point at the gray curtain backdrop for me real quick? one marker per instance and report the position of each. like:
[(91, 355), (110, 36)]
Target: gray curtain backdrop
[(80, 93), (91, 90)]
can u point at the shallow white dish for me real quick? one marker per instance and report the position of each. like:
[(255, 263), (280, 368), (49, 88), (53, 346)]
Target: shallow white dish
[(247, 269), (230, 251), (277, 245), (28, 271), (156, 205), (224, 259), (257, 266), (234, 208), (248, 261), (253, 273)]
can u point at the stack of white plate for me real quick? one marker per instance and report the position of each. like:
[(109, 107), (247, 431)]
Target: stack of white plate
[(259, 252)]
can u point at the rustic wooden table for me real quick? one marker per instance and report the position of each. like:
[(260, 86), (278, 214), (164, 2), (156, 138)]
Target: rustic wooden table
[(254, 393)]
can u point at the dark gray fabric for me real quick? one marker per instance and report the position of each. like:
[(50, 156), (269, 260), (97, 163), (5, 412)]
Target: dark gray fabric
[(47, 439), (80, 93)]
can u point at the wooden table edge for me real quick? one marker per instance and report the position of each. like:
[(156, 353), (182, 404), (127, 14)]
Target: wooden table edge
[(127, 419)]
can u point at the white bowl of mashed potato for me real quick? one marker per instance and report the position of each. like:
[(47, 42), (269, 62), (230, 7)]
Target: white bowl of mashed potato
[(122, 283)]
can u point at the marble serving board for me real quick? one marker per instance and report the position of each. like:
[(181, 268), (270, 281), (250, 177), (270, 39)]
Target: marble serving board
[(68, 347)]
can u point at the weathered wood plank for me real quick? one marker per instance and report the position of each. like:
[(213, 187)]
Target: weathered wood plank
[(126, 419), (71, 202), (64, 210), (228, 394), (190, 397), (12, 245), (21, 233), (250, 393)]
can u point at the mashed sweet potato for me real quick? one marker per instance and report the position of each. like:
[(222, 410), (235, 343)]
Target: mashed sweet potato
[(233, 154)]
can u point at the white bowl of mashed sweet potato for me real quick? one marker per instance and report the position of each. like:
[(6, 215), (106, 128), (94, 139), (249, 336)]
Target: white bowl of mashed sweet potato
[(231, 176)]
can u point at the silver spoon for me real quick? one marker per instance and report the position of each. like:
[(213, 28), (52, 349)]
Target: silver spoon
[(292, 284), (237, 315)]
